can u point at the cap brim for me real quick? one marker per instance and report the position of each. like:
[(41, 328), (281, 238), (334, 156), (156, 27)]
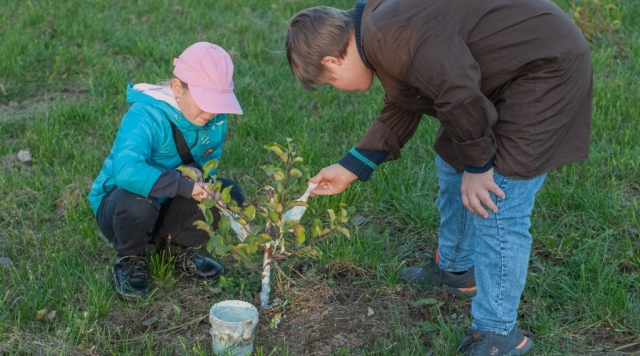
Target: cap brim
[(215, 102)]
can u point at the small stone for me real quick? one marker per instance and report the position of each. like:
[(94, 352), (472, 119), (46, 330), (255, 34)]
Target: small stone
[(5, 262), (51, 315), (150, 321), (24, 156), (358, 219)]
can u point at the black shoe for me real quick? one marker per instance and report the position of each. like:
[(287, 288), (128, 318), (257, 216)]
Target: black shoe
[(484, 343), (431, 276), (192, 262), (130, 277)]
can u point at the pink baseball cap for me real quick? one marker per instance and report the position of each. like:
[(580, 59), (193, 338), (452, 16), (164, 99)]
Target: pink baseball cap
[(208, 71)]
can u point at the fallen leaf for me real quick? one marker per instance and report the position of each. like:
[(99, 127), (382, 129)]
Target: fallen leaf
[(370, 312), (422, 302), (277, 317), (42, 313)]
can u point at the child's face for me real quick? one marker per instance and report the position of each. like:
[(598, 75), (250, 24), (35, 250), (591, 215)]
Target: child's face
[(188, 106)]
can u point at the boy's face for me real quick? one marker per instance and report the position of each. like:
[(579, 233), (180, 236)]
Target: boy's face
[(350, 78), (348, 73)]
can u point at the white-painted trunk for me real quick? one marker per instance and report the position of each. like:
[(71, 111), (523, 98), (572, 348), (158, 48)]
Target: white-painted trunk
[(266, 277)]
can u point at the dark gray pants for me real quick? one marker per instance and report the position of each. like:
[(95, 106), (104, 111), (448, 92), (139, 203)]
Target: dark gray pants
[(131, 221)]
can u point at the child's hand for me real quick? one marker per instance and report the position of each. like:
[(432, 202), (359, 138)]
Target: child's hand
[(200, 192), (475, 192), (332, 180)]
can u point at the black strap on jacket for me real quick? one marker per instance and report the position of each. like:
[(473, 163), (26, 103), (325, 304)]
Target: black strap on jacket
[(181, 145)]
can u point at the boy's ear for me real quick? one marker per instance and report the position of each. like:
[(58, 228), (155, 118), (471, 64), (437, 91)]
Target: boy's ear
[(331, 61)]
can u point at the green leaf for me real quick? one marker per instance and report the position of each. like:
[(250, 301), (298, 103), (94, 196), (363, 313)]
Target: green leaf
[(216, 240), (224, 225), (278, 176), (215, 187), (424, 301), (277, 207), (332, 218), (344, 231), (273, 216), (263, 239), (222, 250), (249, 213), (208, 202), (277, 149), (226, 194), (210, 246), (332, 214), (299, 232), (208, 216), (209, 167), (241, 252), (270, 169), (344, 217), (202, 226), (294, 172), (316, 227), (189, 172), (279, 186), (297, 159)]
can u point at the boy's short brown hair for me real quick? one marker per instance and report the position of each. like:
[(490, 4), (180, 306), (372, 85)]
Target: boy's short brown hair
[(313, 34)]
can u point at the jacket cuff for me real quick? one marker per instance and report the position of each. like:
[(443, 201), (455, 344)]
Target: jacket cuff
[(185, 187), (362, 162), (485, 168), (476, 153)]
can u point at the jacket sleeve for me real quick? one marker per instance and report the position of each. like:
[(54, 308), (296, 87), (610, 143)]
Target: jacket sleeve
[(444, 69), (133, 145), (391, 130), (383, 140)]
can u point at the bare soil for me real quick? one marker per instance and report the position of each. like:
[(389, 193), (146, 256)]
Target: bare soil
[(324, 315)]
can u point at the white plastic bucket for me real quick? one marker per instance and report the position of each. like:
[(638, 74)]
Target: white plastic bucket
[(233, 327)]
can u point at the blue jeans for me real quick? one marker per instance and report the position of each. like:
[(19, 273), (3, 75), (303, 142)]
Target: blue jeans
[(498, 246)]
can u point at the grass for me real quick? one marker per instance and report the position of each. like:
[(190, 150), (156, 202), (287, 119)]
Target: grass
[(62, 78)]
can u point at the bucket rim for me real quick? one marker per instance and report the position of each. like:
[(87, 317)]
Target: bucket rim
[(253, 311)]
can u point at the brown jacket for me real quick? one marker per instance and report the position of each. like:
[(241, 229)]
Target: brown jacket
[(507, 79)]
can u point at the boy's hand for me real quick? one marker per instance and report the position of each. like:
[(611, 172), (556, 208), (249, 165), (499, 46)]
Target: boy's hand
[(475, 192), (332, 180)]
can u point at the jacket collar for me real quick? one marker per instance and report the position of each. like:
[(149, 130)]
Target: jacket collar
[(357, 19)]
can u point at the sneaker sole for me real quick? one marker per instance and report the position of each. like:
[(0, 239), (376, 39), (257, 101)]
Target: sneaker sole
[(466, 292), (525, 346), (215, 276)]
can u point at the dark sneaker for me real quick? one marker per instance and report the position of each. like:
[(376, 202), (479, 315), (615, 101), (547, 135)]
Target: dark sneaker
[(130, 277), (193, 262), (484, 343), (431, 276)]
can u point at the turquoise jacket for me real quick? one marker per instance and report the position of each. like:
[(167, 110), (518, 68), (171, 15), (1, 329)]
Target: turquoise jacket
[(144, 146)]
